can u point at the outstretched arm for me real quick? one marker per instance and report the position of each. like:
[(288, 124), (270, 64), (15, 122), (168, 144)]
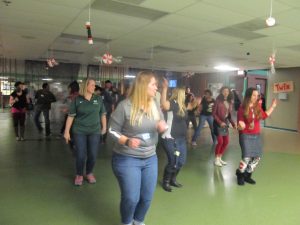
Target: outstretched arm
[(272, 107)]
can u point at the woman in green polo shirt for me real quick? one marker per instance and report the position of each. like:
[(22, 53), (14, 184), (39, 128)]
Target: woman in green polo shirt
[(86, 114)]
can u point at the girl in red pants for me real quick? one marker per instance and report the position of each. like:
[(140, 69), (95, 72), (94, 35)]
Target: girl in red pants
[(222, 117)]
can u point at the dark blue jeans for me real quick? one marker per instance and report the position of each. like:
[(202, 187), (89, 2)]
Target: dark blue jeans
[(137, 179), (169, 146), (86, 152), (209, 120), (45, 112)]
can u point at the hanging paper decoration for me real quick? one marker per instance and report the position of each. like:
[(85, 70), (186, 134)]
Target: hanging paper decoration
[(188, 74), (272, 63), (89, 32), (52, 62), (108, 59)]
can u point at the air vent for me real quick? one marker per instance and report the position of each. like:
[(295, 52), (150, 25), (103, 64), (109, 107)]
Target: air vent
[(237, 33), (28, 37), (159, 49), (79, 37), (135, 58), (130, 2), (251, 25), (127, 9), (64, 51), (294, 48)]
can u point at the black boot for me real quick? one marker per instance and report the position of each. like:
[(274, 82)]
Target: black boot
[(240, 177), (248, 178), (166, 181), (174, 181)]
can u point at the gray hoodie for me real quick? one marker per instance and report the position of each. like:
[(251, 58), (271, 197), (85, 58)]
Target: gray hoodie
[(146, 132)]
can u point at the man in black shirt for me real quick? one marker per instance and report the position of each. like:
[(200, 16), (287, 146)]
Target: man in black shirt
[(44, 98)]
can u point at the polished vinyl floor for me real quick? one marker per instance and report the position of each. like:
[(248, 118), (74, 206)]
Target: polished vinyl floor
[(36, 184)]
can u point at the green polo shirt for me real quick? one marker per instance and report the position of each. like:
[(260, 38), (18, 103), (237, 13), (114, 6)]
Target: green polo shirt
[(87, 114)]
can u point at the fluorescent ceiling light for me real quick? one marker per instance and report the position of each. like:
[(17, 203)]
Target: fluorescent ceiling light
[(47, 79), (129, 76), (241, 72), (226, 68)]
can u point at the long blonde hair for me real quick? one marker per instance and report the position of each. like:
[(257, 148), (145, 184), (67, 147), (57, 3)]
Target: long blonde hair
[(142, 103), (83, 86), (178, 94)]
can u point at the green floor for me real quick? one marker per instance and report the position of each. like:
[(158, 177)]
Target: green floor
[(36, 185)]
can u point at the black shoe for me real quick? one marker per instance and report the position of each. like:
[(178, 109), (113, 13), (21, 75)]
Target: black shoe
[(248, 178), (166, 186), (173, 181), (240, 177)]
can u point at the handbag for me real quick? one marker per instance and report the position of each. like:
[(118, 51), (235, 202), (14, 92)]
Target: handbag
[(223, 131)]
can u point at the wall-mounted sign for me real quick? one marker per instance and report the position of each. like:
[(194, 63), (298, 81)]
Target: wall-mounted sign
[(287, 86)]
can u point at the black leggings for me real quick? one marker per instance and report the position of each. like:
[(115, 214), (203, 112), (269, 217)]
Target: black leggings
[(19, 120)]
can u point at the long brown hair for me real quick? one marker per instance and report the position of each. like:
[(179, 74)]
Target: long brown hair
[(246, 104), (142, 103)]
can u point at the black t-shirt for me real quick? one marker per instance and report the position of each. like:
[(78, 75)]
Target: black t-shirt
[(178, 124), (207, 107), (44, 98), (22, 102), (108, 101)]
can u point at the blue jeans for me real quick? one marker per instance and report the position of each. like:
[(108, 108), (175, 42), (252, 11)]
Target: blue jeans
[(137, 179), (86, 152), (169, 147), (45, 112), (209, 120)]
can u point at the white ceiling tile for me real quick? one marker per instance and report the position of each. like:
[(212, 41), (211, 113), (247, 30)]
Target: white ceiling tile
[(253, 8), (214, 14), (294, 3), (289, 18), (183, 22)]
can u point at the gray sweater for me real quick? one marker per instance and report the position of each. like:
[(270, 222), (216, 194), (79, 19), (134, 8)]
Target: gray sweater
[(146, 132)]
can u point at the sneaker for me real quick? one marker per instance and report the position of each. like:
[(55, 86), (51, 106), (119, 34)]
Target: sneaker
[(18, 139), (91, 178), (194, 143), (138, 223), (78, 180), (218, 162), (22, 139), (223, 162)]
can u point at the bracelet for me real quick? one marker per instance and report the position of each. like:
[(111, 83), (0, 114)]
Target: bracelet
[(127, 142)]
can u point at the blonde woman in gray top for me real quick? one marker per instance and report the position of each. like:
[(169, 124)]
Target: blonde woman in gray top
[(134, 127)]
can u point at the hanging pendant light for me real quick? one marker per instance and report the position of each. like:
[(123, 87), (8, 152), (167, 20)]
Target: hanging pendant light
[(270, 21)]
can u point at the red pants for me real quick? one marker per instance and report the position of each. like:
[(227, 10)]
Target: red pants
[(223, 141)]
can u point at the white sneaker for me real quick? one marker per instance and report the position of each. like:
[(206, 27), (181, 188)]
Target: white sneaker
[(223, 162), (194, 143), (138, 223), (218, 162)]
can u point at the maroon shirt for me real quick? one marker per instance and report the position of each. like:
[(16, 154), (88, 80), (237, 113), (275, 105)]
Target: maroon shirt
[(220, 111)]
